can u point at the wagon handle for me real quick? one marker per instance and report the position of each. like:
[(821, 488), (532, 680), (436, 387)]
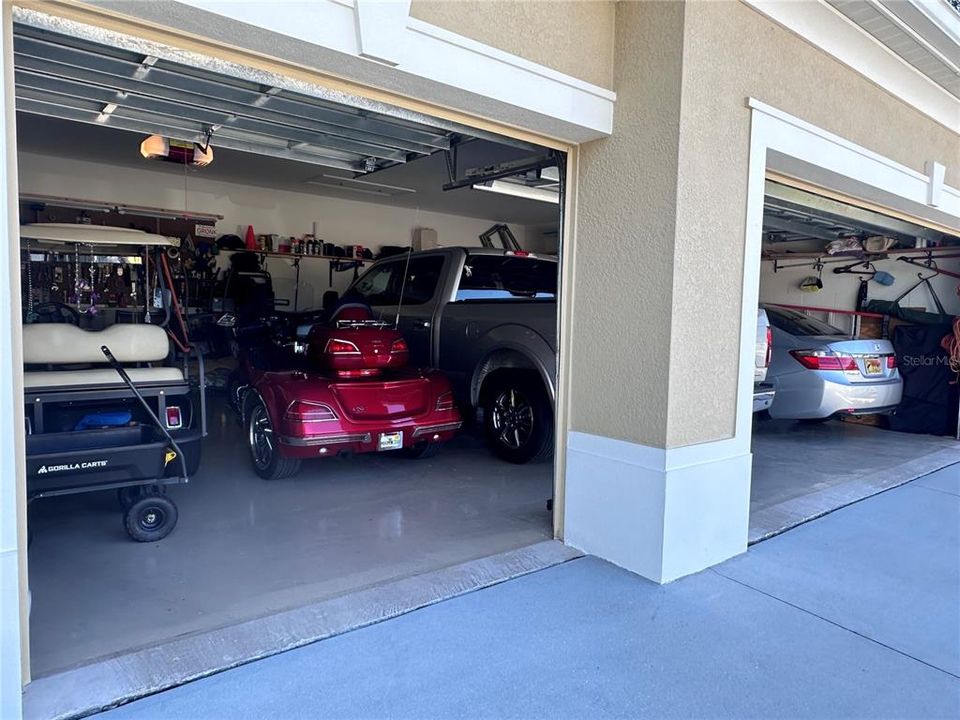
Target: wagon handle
[(114, 363)]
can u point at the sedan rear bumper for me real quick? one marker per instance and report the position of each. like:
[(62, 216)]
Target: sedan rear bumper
[(814, 397), (763, 394)]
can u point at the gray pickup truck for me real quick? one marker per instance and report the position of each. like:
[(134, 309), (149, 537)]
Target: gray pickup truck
[(487, 318)]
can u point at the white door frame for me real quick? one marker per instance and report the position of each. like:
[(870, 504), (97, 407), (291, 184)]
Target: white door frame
[(773, 129)]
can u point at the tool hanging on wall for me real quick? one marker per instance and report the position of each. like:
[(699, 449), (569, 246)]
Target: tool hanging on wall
[(931, 264), (813, 283)]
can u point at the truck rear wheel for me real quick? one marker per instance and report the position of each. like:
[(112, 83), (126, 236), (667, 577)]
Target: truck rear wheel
[(518, 417)]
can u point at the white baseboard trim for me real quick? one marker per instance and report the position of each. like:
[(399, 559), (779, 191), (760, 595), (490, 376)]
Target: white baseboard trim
[(661, 513)]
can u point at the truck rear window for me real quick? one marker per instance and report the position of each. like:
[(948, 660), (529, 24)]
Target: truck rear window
[(504, 277)]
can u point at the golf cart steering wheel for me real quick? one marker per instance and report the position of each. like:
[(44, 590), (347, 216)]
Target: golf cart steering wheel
[(55, 312)]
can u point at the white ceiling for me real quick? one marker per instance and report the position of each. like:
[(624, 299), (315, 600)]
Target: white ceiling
[(426, 176)]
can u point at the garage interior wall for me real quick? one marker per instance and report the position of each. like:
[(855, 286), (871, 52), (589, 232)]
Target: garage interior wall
[(340, 221), (840, 291), (571, 36)]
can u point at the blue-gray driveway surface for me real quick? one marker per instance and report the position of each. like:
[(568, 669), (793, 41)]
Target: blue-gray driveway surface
[(856, 614)]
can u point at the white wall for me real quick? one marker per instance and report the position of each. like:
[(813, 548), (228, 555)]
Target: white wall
[(342, 222), (840, 291)]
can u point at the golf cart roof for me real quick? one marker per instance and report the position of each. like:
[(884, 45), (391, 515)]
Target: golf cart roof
[(57, 233)]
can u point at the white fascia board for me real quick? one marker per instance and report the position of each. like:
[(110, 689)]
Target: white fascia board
[(829, 30), (329, 23), (457, 68)]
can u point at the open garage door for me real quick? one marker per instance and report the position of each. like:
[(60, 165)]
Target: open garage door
[(304, 234), (860, 305)]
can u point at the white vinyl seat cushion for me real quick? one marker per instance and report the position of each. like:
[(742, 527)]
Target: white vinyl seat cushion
[(60, 343), (99, 376)]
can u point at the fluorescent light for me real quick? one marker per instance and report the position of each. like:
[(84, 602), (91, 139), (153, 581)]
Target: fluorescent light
[(349, 189), (341, 178), (520, 191)]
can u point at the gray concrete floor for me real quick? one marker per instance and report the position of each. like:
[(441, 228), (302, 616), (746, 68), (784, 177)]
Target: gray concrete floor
[(801, 471), (853, 615), (245, 547)]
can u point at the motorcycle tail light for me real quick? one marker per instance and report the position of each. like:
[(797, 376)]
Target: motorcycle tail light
[(174, 418), (891, 362), (358, 373), (341, 347), (307, 411), (445, 401), (399, 346)]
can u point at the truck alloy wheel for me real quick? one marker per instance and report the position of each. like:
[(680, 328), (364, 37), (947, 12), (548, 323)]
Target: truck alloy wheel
[(518, 417), (513, 419)]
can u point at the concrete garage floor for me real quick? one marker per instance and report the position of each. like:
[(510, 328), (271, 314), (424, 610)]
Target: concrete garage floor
[(801, 471), (853, 615), (245, 547)]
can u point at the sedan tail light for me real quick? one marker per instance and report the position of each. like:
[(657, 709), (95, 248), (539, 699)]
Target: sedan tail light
[(306, 411), (766, 362), (399, 346), (820, 360), (445, 401), (891, 362)]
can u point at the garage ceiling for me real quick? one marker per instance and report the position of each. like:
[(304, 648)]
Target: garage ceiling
[(76, 80), (84, 100), (791, 215)]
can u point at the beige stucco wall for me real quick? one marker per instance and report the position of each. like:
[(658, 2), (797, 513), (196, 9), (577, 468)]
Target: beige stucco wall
[(662, 208), (625, 237), (572, 36)]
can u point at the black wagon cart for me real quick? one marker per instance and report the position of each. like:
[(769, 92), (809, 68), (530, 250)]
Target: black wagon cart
[(120, 408)]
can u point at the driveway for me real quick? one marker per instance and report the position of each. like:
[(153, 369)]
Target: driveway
[(851, 615)]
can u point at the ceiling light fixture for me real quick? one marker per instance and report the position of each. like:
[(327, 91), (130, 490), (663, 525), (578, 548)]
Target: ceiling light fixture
[(520, 191), (157, 147)]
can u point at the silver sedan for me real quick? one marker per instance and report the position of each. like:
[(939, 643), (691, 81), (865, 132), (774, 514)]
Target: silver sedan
[(819, 373)]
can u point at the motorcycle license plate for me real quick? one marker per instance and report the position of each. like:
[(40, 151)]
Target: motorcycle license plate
[(391, 441), (873, 366)]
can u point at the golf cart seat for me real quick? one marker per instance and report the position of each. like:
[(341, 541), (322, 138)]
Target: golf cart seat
[(54, 345)]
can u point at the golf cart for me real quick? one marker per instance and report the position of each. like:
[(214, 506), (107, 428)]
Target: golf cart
[(115, 408)]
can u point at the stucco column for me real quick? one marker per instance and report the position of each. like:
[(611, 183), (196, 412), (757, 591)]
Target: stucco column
[(657, 480)]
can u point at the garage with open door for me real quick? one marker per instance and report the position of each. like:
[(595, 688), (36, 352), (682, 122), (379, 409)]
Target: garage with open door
[(337, 320), (856, 391)]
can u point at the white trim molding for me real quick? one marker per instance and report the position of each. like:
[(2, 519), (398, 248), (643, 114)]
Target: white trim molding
[(659, 513), (792, 136), (376, 42), (826, 28)]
